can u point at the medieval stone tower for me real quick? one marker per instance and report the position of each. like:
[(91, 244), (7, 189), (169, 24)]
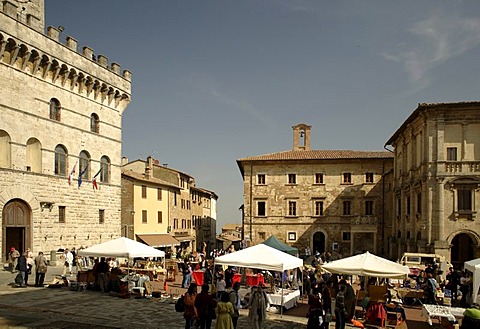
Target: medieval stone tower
[(60, 136)]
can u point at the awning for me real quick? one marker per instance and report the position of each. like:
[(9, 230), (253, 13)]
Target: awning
[(158, 240), (184, 238)]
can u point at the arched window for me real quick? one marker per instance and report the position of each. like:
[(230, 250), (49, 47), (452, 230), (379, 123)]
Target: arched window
[(84, 165), (55, 109), (105, 174), (5, 150), (94, 123), (60, 160), (34, 155)]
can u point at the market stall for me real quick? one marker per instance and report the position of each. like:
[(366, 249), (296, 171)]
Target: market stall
[(122, 248), (368, 265), (262, 257), (474, 267)]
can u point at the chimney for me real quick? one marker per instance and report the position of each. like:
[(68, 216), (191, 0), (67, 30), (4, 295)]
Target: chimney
[(149, 168)]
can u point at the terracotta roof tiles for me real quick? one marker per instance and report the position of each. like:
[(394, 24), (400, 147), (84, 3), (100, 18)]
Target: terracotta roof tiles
[(320, 155)]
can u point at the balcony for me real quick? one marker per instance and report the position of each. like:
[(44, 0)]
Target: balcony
[(459, 166)]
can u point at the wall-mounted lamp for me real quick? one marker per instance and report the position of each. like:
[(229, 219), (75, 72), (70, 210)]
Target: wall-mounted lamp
[(61, 237), (111, 236), (88, 236), (75, 236), (46, 237), (46, 205), (100, 235)]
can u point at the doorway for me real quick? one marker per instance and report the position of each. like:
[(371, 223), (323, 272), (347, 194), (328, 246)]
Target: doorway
[(462, 250), (16, 227), (318, 243)]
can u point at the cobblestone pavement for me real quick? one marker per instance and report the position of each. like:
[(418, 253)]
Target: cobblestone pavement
[(32, 307)]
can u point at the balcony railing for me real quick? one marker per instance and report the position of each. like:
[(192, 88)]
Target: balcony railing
[(459, 166)]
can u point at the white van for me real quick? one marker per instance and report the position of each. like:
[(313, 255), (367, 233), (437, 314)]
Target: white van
[(420, 260)]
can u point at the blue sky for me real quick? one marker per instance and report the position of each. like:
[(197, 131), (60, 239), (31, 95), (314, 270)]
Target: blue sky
[(216, 81)]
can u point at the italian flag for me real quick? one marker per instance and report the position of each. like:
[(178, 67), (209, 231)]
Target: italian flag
[(94, 181)]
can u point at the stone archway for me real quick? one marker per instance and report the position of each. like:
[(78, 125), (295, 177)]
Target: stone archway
[(318, 242), (16, 227), (462, 249)]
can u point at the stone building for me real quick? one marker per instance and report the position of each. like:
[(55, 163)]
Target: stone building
[(321, 199), (436, 182), (61, 114), (188, 213)]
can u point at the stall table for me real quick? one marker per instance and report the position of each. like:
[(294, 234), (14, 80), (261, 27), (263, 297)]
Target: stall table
[(290, 298), (254, 280), (430, 311), (410, 294)]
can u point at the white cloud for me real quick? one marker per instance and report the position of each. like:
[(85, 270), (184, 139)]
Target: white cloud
[(439, 38)]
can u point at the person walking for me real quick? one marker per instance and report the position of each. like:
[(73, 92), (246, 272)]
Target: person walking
[(235, 300), (205, 305), (340, 311), (40, 269), (315, 309), (224, 313), (190, 313), (187, 274), (258, 308), (327, 304), (13, 258), (22, 268)]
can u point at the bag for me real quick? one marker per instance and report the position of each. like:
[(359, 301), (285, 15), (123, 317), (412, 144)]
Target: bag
[(180, 304), (19, 279), (42, 269), (328, 317)]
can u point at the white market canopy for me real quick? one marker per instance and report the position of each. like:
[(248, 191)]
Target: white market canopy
[(261, 257), (367, 264), (121, 248), (474, 267)]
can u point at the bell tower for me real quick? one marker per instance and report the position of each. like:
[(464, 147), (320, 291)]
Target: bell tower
[(29, 12), (301, 137)]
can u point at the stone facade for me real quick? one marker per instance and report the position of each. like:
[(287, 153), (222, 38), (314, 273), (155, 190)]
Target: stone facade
[(60, 110), (436, 182), (324, 200)]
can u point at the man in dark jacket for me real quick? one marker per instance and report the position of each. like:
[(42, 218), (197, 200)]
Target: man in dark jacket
[(22, 269)]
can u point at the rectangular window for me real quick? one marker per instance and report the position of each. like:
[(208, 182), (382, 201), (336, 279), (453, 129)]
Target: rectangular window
[(144, 192), (182, 203), (292, 236), (347, 178), (159, 194), (419, 203), (318, 207), (346, 236), (408, 206), (369, 208), (184, 223), (261, 235), (261, 208), (464, 200), (399, 207), (261, 179), (189, 223), (347, 208), (369, 177), (101, 216), (175, 223), (292, 179), (318, 178), (292, 208), (159, 217), (175, 199), (451, 154), (61, 214), (144, 216)]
